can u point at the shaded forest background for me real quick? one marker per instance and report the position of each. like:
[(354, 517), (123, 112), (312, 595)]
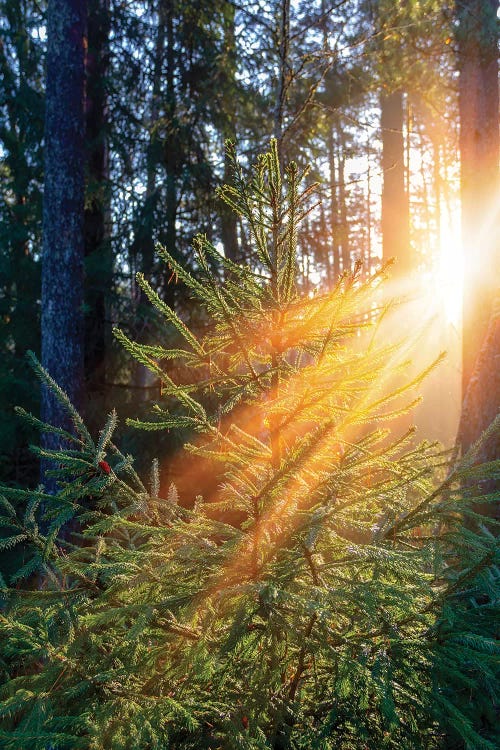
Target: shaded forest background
[(394, 104)]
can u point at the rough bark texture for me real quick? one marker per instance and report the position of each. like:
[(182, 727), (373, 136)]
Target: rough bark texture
[(481, 403), (229, 231), (479, 151), (395, 205), (63, 206), (170, 155), (98, 262)]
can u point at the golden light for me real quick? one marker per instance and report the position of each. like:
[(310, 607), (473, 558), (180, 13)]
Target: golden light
[(450, 268)]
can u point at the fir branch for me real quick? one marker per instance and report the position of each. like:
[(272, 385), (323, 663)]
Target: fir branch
[(78, 422)]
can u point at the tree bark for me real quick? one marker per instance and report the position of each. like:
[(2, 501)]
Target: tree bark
[(98, 261), (481, 405), (63, 209), (170, 157), (395, 204), (229, 230), (479, 151)]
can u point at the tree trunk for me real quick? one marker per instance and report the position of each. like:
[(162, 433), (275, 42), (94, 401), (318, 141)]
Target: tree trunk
[(98, 261), (229, 231), (63, 209), (479, 151), (481, 405), (395, 205), (170, 160)]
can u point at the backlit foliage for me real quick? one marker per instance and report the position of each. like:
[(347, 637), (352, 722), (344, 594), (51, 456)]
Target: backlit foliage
[(352, 602)]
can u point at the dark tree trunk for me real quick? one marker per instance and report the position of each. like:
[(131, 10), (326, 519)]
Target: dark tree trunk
[(479, 151), (229, 231), (63, 207), (98, 262), (481, 404), (395, 205), (171, 156)]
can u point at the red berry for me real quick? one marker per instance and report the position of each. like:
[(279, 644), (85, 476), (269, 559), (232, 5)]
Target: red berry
[(105, 467), (244, 721)]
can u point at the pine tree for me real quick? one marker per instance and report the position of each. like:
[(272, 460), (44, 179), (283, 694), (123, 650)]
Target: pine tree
[(349, 607)]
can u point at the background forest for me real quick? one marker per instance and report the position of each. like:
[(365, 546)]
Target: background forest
[(341, 591), (374, 95)]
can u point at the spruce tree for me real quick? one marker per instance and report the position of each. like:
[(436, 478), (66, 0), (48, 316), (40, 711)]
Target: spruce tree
[(353, 603)]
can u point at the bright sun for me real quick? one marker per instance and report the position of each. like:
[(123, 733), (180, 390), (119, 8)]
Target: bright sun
[(450, 268)]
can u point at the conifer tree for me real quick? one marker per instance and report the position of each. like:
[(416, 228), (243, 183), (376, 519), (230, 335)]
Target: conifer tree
[(349, 606)]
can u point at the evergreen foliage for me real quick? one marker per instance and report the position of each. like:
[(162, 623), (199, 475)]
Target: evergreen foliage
[(353, 605)]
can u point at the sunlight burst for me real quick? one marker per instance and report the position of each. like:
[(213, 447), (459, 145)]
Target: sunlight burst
[(450, 268)]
